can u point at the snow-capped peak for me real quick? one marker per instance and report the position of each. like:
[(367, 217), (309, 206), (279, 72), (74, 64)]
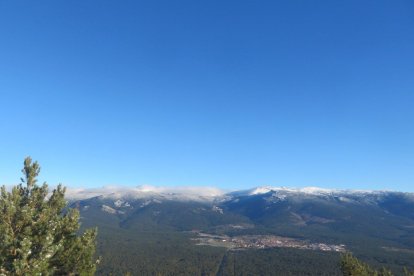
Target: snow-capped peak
[(260, 190), (303, 190), (316, 190), (306, 190)]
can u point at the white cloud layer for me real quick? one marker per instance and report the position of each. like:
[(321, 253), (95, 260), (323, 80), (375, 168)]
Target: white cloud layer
[(189, 193)]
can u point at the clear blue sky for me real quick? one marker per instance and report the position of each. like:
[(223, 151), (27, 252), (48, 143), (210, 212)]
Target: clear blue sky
[(233, 94)]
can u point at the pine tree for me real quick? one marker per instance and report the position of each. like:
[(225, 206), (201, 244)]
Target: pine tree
[(39, 234), (351, 266)]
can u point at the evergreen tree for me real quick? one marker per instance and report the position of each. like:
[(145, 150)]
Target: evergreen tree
[(351, 266), (38, 235)]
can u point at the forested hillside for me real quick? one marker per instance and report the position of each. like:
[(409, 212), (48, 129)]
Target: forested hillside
[(274, 232)]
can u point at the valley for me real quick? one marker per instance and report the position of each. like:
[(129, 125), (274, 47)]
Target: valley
[(264, 231)]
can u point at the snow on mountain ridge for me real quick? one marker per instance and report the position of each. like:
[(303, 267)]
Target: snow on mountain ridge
[(146, 191), (200, 193), (304, 190)]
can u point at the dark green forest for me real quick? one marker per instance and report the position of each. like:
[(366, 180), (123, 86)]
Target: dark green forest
[(157, 239), (168, 253), (173, 253)]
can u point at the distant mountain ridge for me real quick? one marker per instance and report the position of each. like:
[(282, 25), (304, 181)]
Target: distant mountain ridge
[(306, 211), (206, 193), (378, 224), (146, 191)]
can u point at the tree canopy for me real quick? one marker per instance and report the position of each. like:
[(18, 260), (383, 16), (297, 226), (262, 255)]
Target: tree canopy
[(351, 266), (39, 234)]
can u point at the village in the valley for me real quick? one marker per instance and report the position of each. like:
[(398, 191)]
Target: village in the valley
[(262, 242)]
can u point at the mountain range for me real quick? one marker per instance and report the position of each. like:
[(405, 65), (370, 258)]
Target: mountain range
[(376, 225)]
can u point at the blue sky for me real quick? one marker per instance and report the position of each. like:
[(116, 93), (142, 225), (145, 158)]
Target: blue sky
[(232, 94)]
